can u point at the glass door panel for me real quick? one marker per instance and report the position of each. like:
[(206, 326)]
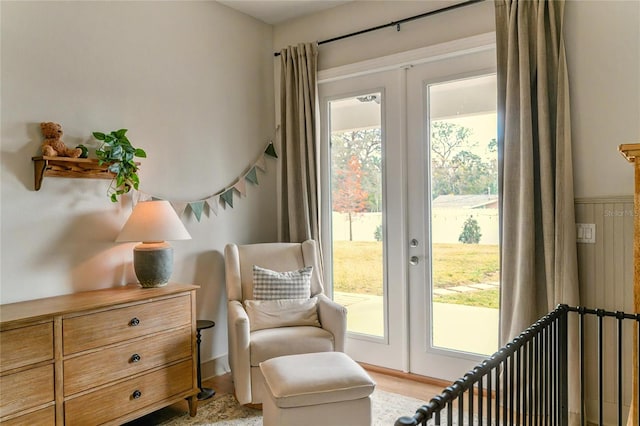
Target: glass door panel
[(356, 214), (464, 214)]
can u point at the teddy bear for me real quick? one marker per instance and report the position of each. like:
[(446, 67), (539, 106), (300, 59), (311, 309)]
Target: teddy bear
[(52, 146)]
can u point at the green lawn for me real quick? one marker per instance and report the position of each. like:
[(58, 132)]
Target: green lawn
[(357, 268)]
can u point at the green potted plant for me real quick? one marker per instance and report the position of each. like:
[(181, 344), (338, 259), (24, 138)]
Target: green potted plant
[(117, 151)]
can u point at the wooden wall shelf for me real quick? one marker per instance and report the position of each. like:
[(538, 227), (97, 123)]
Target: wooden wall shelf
[(86, 168), (68, 167)]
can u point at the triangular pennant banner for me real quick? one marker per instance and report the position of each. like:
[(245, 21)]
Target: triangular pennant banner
[(197, 207), (261, 163), (271, 151), (241, 187), (227, 197), (252, 176), (212, 202), (179, 206)]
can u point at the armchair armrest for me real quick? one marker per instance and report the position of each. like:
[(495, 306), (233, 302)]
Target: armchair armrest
[(239, 355), (333, 318)]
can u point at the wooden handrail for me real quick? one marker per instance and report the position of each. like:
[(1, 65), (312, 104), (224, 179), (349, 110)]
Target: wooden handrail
[(631, 152)]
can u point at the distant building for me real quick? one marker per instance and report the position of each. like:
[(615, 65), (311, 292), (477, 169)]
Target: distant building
[(465, 202)]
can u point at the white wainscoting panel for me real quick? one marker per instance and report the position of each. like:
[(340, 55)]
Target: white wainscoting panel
[(606, 282)]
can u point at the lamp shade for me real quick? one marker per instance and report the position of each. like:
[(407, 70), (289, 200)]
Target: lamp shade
[(153, 221)]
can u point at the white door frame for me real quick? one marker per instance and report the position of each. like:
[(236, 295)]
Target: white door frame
[(425, 359), (398, 62)]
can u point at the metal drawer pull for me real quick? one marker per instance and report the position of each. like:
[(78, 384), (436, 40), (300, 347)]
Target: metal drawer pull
[(135, 358), (134, 321), (136, 394)]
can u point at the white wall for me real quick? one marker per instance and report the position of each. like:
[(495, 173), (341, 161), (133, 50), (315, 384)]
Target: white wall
[(192, 81), (359, 15), (603, 52)]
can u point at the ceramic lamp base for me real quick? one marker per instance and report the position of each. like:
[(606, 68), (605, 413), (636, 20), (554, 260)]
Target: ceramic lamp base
[(153, 264)]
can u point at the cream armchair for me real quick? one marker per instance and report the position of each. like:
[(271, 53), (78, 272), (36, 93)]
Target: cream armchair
[(247, 349)]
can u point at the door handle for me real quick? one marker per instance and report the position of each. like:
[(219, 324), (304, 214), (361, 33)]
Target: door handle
[(414, 260)]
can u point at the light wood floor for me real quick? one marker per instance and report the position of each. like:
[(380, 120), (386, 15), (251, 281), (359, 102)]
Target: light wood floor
[(411, 385)]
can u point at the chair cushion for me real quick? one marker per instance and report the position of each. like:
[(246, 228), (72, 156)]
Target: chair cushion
[(272, 285), (274, 342), (315, 378), (281, 313)]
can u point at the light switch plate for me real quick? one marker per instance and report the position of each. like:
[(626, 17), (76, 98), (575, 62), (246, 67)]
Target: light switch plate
[(586, 233)]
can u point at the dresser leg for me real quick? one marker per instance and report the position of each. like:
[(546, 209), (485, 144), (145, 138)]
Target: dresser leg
[(193, 405)]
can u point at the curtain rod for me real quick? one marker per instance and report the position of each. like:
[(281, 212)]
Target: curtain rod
[(398, 23)]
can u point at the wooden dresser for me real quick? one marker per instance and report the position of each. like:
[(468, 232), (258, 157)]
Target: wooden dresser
[(98, 357)]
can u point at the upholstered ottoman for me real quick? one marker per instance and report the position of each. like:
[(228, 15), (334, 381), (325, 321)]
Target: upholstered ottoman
[(324, 389)]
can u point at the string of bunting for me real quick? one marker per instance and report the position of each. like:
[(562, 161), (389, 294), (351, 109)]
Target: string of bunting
[(224, 196)]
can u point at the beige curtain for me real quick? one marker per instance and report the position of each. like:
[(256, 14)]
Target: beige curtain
[(299, 163), (539, 256)]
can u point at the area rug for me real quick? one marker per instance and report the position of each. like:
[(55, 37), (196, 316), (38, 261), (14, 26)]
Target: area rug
[(225, 411)]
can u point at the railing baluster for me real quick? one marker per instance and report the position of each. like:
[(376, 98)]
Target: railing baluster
[(489, 396), (545, 376), (563, 370), (582, 394), (461, 409), (480, 403), (525, 384), (505, 383), (511, 389), (600, 371), (620, 317), (530, 371), (470, 409), (497, 379), (536, 362), (553, 377), (518, 385)]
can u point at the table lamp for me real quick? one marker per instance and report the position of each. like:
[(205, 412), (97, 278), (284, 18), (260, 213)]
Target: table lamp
[(153, 223)]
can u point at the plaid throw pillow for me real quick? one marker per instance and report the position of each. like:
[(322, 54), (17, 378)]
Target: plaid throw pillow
[(272, 285)]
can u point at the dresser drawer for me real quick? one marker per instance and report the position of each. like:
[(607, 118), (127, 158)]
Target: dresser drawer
[(44, 417), (93, 369), (114, 401), (26, 345), (116, 325), (26, 389)]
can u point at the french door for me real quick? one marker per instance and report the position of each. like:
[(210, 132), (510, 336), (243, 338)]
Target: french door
[(410, 211), (361, 122)]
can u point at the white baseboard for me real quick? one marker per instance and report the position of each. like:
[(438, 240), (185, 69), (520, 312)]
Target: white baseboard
[(215, 367)]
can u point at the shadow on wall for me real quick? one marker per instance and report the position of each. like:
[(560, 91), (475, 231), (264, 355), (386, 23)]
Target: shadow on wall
[(18, 161), (87, 249), (209, 275)]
